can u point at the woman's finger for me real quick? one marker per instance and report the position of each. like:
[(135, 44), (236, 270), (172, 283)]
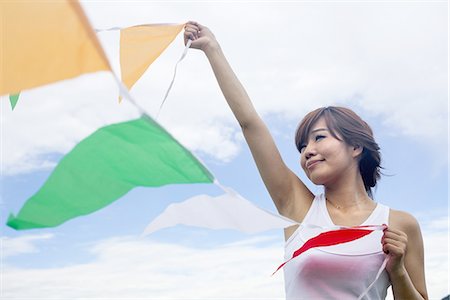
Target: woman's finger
[(190, 34), (394, 236), (393, 231), (395, 243), (192, 23), (393, 250), (191, 31)]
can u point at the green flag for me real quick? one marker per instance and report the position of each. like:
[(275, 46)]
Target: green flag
[(13, 100), (105, 166)]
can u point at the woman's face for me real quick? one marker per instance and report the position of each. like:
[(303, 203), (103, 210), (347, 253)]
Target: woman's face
[(326, 159)]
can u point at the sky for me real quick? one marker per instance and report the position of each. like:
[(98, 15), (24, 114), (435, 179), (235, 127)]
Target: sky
[(388, 61)]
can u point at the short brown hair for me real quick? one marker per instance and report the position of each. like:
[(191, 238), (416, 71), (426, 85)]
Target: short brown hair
[(354, 131)]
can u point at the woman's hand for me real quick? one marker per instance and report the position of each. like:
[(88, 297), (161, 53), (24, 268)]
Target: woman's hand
[(201, 37), (394, 245)]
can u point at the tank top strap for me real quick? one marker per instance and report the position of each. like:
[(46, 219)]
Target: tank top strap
[(379, 216), (314, 211), (310, 219)]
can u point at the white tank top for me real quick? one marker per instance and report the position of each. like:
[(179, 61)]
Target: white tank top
[(342, 271)]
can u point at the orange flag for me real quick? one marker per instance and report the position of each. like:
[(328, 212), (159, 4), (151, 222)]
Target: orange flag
[(45, 41), (141, 45)]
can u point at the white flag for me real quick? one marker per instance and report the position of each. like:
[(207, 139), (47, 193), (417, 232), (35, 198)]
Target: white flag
[(227, 211)]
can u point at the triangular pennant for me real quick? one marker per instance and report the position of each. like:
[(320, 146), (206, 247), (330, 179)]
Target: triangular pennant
[(105, 166), (227, 211), (13, 100), (45, 41), (141, 45)]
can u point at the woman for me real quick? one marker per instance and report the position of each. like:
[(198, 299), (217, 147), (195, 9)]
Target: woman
[(337, 151)]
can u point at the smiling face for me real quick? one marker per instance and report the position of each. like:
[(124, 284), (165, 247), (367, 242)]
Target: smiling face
[(324, 131), (326, 159)]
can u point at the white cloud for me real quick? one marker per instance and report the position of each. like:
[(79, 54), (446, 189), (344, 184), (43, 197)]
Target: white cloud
[(291, 57), (216, 140), (54, 118), (126, 268), (21, 245)]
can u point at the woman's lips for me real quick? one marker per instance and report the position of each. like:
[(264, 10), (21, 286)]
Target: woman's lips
[(312, 163)]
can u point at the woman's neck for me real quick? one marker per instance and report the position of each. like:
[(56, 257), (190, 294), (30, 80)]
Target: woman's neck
[(348, 195)]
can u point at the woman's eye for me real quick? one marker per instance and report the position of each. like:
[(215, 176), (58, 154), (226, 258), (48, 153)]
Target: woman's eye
[(319, 137)]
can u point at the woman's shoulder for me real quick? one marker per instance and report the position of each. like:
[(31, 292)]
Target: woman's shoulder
[(403, 221)]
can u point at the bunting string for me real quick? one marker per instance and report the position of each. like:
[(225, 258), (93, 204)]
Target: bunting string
[(188, 44), (116, 28), (380, 270), (124, 92)]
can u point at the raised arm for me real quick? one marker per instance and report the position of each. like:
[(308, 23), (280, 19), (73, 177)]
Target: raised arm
[(291, 197)]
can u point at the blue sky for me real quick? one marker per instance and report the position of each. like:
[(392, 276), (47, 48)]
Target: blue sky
[(387, 61)]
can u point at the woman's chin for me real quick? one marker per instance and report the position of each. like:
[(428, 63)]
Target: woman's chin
[(317, 180)]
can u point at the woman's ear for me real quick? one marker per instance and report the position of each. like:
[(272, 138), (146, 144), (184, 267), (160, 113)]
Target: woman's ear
[(357, 150)]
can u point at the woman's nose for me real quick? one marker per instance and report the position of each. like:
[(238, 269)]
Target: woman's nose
[(309, 151)]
